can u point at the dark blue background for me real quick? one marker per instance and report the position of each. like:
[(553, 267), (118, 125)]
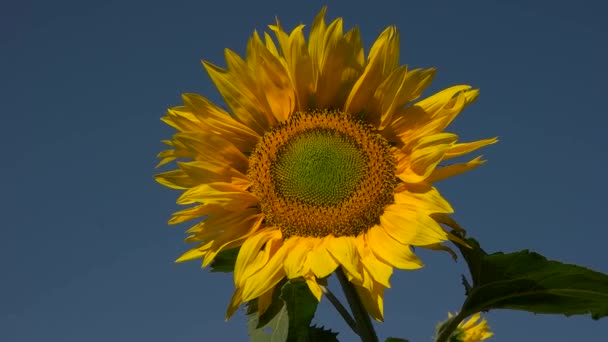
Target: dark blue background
[(85, 251)]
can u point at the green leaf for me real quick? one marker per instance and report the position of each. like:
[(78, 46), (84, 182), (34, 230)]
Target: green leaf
[(301, 305), (473, 256), (288, 317), (395, 339), (528, 281), (275, 307), (224, 261), (320, 334), (275, 330)]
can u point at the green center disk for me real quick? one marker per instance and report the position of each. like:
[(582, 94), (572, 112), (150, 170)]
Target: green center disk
[(319, 167)]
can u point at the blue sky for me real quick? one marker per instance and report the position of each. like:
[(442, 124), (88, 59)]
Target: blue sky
[(86, 253)]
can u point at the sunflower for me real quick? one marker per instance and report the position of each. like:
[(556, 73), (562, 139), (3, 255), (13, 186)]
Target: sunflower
[(474, 329), (324, 160)]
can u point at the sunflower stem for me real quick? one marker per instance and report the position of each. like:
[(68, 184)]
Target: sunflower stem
[(365, 328), (446, 331), (340, 308)]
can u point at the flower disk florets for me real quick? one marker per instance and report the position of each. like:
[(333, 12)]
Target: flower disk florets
[(322, 173)]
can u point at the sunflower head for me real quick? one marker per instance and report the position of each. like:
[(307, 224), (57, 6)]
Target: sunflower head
[(325, 159), (475, 329)]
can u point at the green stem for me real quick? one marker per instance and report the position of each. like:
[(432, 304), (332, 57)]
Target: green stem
[(449, 327), (364, 324), (340, 308)]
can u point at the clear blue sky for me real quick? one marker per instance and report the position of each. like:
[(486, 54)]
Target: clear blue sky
[(85, 252)]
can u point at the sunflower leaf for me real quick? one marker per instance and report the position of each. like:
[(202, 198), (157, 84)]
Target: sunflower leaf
[(224, 261), (320, 334), (275, 330), (527, 281), (275, 307), (301, 305), (395, 339), (473, 256)]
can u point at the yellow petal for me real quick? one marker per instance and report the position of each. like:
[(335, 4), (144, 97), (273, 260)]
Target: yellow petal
[(398, 226), (317, 34), (316, 44), (373, 301), (400, 88), (331, 65), (426, 199), (454, 169), (390, 251), (236, 89), (337, 60), (440, 247), (221, 193), (233, 237), (436, 102), (295, 262), (196, 173), (320, 261), (383, 59), (448, 221), (218, 220), (314, 287), (298, 61), (426, 154), (261, 259), (194, 253), (272, 79), (164, 160), (193, 212), (208, 172), (433, 114), (268, 276), (221, 122), (264, 301), (179, 152), (249, 251), (380, 271), (411, 227), (235, 302), (182, 119), (344, 251), (367, 280), (475, 329), (210, 147), (175, 179), (270, 45), (461, 149)]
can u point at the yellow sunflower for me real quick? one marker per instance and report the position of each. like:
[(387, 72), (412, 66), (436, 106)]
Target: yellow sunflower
[(323, 161), (474, 329)]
